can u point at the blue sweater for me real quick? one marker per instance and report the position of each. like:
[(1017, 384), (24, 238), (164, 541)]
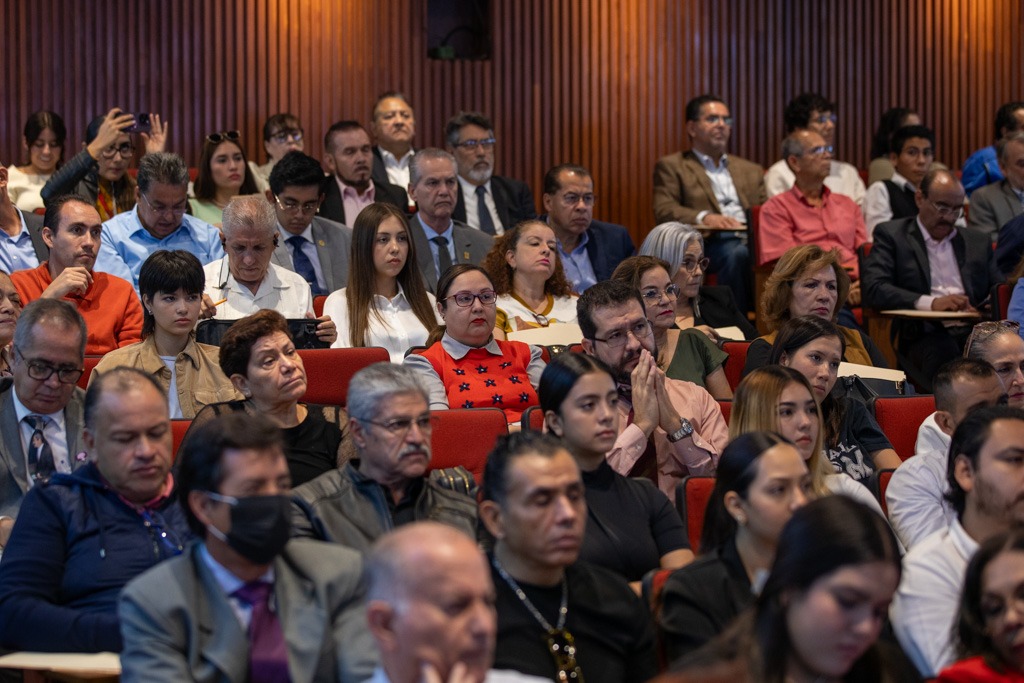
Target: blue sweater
[(74, 547)]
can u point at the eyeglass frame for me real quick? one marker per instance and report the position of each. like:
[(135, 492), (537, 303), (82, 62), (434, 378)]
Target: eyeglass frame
[(625, 334), (486, 143), (703, 262), (571, 199), (287, 135), (954, 212), (36, 363), (480, 295), (174, 211), (110, 152), (653, 294), (399, 426), (824, 118), (714, 119), (818, 150), (307, 209), (991, 327)]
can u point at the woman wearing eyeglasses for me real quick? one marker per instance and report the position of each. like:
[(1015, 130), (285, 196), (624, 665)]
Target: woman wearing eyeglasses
[(223, 173), (700, 306), (100, 171), (684, 354), (1000, 344), (808, 280), (528, 277), (44, 137), (385, 303), (466, 367), (282, 133)]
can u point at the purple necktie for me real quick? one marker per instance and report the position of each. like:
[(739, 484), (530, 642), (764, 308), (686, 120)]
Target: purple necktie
[(268, 654)]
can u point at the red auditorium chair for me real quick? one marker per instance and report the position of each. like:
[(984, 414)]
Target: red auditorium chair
[(726, 408), (1001, 300), (328, 371), (533, 419), (737, 351), (883, 483), (178, 429), (90, 363), (318, 305), (692, 497), (899, 417), (465, 437)]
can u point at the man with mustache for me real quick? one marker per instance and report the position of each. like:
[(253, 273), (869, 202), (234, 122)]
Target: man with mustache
[(985, 472), (349, 157), (670, 428), (385, 485), (440, 241), (109, 305), (486, 202), (925, 262)]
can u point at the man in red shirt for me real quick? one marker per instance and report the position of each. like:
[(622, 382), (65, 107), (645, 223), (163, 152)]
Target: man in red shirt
[(109, 305)]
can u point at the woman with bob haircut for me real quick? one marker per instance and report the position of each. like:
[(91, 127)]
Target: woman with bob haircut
[(527, 273), (223, 173), (807, 280), (385, 303), (632, 527), (822, 608), (761, 481), (171, 286)]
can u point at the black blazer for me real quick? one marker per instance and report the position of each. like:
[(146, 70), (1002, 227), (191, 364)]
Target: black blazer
[(513, 198), (718, 309), (379, 174), (333, 208), (609, 244), (896, 272)]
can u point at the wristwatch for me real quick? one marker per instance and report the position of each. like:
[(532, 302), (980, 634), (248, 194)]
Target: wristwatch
[(685, 430)]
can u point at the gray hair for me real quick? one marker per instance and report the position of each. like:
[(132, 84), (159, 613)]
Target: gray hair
[(428, 154), (1003, 145), (54, 311), (164, 168), (669, 242), (249, 212), (372, 385), (121, 380), (980, 339), (792, 145)]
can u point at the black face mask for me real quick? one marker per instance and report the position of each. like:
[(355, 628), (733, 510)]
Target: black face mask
[(260, 526)]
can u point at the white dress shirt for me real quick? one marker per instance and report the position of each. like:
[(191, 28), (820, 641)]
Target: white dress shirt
[(930, 437), (468, 191), (916, 497), (945, 271), (397, 169), (397, 329), (925, 606), (281, 289), (308, 248), (877, 208)]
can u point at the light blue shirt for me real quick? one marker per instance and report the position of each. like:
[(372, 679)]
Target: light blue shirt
[(17, 253), (229, 583), (126, 244), (578, 268), (448, 234), (308, 248)]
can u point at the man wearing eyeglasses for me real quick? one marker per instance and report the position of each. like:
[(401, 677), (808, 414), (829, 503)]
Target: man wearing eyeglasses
[(282, 133), (925, 262), (386, 485), (707, 188), (590, 249), (441, 242), (912, 151), (157, 222), (810, 212), (348, 155), (669, 428), (80, 538), (109, 305), (308, 244), (812, 112), (41, 397), (486, 202)]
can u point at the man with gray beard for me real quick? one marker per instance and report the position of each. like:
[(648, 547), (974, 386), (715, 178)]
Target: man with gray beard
[(486, 202)]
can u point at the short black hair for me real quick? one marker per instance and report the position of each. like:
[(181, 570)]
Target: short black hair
[(968, 440), (201, 466), (606, 293), (948, 373), (296, 169), (508, 449), (900, 137), (341, 127), (463, 119), (1006, 122), (694, 106), (552, 184), (798, 111), (168, 270), (55, 206)]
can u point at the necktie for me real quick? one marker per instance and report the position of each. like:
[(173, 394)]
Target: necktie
[(486, 222), (444, 257), (647, 464), (268, 654), (303, 266), (40, 455)]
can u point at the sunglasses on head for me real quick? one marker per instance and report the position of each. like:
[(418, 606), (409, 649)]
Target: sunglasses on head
[(227, 135)]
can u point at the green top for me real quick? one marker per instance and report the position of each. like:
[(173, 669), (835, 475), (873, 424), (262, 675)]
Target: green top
[(695, 358)]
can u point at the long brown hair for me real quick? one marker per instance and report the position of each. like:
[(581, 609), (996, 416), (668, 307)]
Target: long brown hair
[(502, 273), (204, 188), (362, 276)]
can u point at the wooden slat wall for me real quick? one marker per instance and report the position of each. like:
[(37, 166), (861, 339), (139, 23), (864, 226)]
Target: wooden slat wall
[(598, 82)]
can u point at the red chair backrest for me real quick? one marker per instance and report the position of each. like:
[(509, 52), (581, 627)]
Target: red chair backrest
[(318, 305), (465, 437), (726, 408), (90, 363), (178, 429), (883, 483), (533, 419), (692, 497), (899, 417), (328, 371), (1001, 298), (737, 359)]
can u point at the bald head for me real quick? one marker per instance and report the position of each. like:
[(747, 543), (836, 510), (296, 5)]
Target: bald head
[(415, 554)]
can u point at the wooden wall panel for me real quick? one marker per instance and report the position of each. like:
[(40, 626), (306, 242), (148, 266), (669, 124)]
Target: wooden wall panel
[(597, 82)]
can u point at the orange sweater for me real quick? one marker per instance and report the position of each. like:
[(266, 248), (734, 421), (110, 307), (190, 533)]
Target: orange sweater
[(112, 311)]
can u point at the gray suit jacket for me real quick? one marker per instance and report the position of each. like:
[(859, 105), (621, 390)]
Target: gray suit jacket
[(333, 244), (34, 223), (13, 470), (471, 246), (178, 625), (992, 207)]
